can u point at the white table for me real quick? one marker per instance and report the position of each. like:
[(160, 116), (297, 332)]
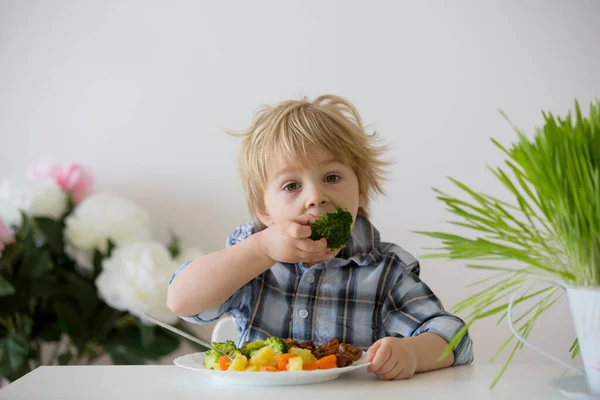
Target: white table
[(171, 382)]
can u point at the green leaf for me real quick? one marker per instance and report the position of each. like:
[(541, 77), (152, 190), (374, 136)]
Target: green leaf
[(24, 323), (52, 231), (83, 292), (503, 307), (121, 356), (174, 245), (110, 246), (25, 232), (455, 341), (12, 254), (574, 350), (16, 349), (65, 358), (97, 261), (6, 370), (69, 320), (148, 334), (37, 263), (105, 322), (98, 257), (6, 289), (45, 287), (164, 343), (131, 338), (18, 301)]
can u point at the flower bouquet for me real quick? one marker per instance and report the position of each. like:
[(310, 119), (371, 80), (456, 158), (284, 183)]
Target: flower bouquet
[(78, 270)]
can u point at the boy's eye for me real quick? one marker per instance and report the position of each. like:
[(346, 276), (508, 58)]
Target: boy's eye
[(332, 178), (291, 187)]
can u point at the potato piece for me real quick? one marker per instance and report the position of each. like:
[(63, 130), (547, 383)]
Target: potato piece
[(294, 364), (239, 363), (263, 357), (307, 355)]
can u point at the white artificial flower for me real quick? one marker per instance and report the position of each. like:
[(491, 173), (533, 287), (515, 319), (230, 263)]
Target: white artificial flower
[(36, 199), (135, 278), (188, 255), (100, 217)]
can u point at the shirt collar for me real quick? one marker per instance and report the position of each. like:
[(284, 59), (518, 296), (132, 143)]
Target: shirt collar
[(364, 245)]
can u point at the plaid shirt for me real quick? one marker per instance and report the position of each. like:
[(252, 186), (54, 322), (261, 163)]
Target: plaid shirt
[(369, 291)]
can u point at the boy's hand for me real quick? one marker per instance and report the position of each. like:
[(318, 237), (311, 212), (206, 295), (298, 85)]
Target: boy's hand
[(392, 358), (287, 241)]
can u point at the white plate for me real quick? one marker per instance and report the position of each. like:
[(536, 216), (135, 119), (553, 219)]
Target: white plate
[(195, 361)]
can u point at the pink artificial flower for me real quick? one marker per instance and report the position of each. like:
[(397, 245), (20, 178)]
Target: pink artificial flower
[(73, 178), (76, 180), (6, 236)]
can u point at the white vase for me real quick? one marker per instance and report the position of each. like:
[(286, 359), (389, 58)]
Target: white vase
[(584, 303)]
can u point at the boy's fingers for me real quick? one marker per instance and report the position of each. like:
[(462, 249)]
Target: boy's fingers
[(309, 257), (305, 219), (311, 218), (381, 357), (312, 246), (372, 350), (299, 231), (388, 370)]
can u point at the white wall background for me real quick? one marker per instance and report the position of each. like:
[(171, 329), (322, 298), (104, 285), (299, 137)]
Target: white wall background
[(139, 91)]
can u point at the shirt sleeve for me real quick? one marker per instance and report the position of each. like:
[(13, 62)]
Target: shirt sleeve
[(411, 308), (238, 304)]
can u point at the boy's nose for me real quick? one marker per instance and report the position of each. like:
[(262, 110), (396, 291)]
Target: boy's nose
[(316, 198)]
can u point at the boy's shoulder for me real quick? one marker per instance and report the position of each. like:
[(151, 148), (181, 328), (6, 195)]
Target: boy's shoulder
[(406, 260), (241, 232)]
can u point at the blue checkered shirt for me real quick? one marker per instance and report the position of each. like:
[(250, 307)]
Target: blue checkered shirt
[(369, 291)]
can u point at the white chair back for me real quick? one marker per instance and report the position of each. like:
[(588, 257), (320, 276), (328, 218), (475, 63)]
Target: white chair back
[(225, 330)]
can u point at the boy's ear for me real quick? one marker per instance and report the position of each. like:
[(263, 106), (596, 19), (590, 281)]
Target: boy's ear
[(361, 200), (263, 216)]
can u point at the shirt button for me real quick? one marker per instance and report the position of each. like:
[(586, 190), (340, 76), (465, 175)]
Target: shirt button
[(310, 278), (303, 313)]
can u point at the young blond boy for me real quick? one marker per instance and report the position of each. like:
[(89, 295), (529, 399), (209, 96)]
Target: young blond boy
[(298, 160)]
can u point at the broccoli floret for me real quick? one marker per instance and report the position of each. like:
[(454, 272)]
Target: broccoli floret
[(227, 347), (251, 347), (211, 357), (277, 344), (335, 226)]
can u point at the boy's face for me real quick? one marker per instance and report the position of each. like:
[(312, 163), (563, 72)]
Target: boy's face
[(311, 187)]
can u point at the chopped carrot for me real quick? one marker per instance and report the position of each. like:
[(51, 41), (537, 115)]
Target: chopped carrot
[(309, 366), (327, 362), (283, 359), (268, 368), (224, 363)]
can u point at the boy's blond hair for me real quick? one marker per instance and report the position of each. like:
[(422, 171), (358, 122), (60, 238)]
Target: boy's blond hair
[(294, 127)]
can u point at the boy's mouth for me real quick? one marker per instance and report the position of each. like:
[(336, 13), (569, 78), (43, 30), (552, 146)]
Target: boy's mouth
[(317, 212)]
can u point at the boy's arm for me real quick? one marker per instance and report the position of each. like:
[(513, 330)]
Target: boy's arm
[(211, 279), (401, 358), (418, 330), (427, 348), (415, 313)]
